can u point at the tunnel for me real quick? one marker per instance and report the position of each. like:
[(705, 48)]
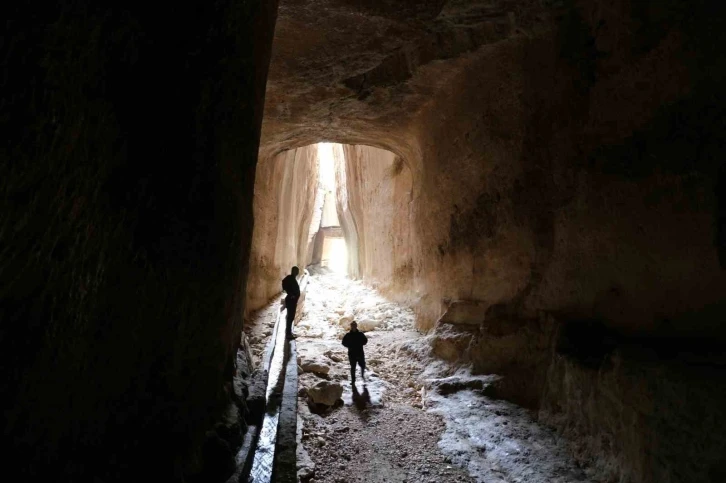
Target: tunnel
[(326, 204), (521, 204)]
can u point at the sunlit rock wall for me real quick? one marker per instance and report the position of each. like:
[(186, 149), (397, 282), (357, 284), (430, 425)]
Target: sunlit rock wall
[(346, 207), (285, 192), (374, 190)]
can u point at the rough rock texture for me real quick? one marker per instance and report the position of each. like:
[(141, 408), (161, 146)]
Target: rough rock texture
[(651, 413), (374, 189), (520, 350), (551, 205), (129, 143), (316, 366), (324, 392), (566, 159), (539, 138), (286, 187), (350, 72)]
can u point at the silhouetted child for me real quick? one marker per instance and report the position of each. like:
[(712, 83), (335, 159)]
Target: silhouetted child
[(354, 341)]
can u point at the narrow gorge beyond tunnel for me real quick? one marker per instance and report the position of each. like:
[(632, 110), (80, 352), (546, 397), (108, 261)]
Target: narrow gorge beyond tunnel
[(539, 185), (324, 192)]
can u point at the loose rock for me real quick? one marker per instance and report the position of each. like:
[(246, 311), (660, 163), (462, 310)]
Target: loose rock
[(326, 393)]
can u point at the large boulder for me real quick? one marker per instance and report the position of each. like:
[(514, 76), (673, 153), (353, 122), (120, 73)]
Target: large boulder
[(345, 321), (325, 392), (366, 325)]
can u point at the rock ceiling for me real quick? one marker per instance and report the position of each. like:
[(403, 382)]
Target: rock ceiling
[(358, 72)]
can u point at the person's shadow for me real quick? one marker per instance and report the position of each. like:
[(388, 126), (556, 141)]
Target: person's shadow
[(361, 400)]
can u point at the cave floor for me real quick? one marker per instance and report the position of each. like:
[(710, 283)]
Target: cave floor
[(398, 427)]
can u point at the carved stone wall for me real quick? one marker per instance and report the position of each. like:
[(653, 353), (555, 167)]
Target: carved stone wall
[(285, 191)]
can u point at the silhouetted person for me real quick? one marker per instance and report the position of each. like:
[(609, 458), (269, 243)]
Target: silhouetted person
[(290, 286), (354, 341)]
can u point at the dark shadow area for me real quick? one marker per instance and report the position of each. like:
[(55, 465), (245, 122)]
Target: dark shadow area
[(361, 400), (125, 226), (591, 344), (588, 342)]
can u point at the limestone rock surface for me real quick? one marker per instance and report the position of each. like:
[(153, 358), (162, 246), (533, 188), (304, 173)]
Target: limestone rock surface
[(325, 392), (515, 171), (315, 366), (367, 325), (286, 186)]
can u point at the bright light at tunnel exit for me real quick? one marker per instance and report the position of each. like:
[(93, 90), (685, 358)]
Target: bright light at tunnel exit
[(326, 166), (335, 250), (338, 261)]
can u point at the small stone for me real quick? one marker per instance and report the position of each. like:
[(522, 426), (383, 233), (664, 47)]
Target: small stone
[(333, 356)]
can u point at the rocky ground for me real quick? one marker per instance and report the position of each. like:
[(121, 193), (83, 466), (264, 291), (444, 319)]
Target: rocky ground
[(415, 418)]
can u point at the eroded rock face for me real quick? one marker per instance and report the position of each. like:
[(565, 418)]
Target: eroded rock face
[(536, 223), (358, 72), (374, 190), (649, 412), (285, 193)]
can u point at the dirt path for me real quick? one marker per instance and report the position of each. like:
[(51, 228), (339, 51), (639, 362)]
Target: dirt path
[(381, 433), (415, 419)]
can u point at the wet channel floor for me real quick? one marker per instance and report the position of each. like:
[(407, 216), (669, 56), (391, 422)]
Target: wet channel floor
[(262, 464)]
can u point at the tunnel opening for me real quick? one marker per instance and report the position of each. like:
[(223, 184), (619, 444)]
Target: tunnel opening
[(330, 250), (342, 212), (342, 207)]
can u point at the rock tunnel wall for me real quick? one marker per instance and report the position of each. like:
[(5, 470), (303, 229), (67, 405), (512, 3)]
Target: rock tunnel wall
[(127, 163), (565, 155), (285, 193), (568, 177), (553, 141), (581, 202), (585, 184), (642, 412), (567, 167), (374, 190)]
